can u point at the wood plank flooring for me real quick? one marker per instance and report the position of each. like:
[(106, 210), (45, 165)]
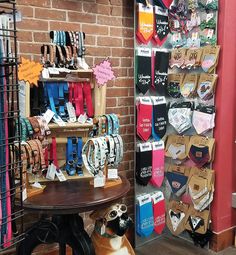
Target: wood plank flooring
[(176, 246)]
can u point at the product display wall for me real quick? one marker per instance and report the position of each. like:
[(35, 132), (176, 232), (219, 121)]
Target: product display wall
[(175, 82)]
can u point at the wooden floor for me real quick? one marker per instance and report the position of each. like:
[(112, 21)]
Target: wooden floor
[(176, 246)]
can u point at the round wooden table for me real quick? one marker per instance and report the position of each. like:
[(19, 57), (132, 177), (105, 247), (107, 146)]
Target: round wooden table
[(64, 201)]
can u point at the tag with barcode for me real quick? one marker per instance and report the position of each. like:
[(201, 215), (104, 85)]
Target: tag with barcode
[(51, 173), (99, 181), (61, 176), (112, 174)]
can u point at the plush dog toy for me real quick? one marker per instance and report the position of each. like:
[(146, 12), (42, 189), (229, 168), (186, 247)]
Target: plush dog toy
[(111, 225)]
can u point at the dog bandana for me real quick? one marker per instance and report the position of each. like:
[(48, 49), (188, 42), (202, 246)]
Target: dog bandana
[(161, 25), (203, 119), (161, 63), (177, 182), (145, 23), (159, 118), (144, 163), (158, 203), (144, 212), (143, 70), (158, 163), (206, 86), (180, 116), (144, 118), (199, 155)]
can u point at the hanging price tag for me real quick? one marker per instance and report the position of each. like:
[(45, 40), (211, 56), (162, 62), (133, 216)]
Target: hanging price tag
[(61, 177), (112, 174), (99, 181), (51, 173)]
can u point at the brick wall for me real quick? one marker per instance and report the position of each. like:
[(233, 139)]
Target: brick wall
[(108, 25)]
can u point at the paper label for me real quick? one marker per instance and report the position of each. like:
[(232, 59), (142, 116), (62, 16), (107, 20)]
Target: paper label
[(158, 145), (24, 194), (71, 112), (145, 52), (99, 181), (37, 185), (158, 100), (51, 173), (61, 177), (145, 100), (145, 199), (45, 73), (145, 147), (82, 118), (157, 197), (59, 121), (209, 16), (112, 174), (53, 70), (48, 115)]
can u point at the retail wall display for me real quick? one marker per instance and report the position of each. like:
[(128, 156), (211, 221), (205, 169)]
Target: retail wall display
[(12, 186), (176, 56)]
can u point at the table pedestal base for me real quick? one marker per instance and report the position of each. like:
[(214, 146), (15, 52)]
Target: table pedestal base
[(62, 229)]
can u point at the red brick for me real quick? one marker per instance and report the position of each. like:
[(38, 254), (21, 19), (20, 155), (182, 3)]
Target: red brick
[(116, 2), (96, 51), (96, 9), (26, 11), (32, 25), (102, 1), (127, 101), (30, 48), (41, 37), (109, 21), (124, 82), (67, 5), (114, 61), (122, 32), (120, 72), (127, 62), (41, 13), (25, 36), (56, 25), (128, 43), (122, 52), (90, 40), (111, 102), (109, 41), (116, 11), (121, 110), (95, 29), (41, 3), (81, 17)]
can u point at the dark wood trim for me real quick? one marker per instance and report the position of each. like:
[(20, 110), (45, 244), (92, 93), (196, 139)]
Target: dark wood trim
[(223, 240)]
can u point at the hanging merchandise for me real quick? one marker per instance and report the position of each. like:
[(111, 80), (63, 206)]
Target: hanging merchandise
[(203, 118), (180, 116), (174, 83), (144, 118), (201, 187), (144, 215), (145, 25), (107, 124), (158, 164), (177, 147), (201, 150), (189, 85), (177, 58), (143, 163), (159, 118), (177, 178), (161, 30), (74, 156), (143, 70), (210, 58), (193, 58), (197, 222), (158, 204), (176, 217), (208, 5), (160, 71)]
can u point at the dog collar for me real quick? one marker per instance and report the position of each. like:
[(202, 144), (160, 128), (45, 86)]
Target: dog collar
[(106, 235)]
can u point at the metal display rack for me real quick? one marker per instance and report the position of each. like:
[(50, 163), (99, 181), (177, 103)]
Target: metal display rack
[(11, 188)]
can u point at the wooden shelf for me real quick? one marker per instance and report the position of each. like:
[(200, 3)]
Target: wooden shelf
[(42, 179)]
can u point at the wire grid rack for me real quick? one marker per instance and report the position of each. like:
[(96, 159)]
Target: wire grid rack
[(11, 185)]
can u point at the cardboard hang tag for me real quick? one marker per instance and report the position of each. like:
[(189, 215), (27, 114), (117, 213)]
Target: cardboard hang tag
[(197, 227), (176, 217)]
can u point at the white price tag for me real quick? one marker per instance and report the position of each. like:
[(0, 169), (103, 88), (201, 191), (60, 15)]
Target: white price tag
[(71, 112), (59, 121), (51, 173), (53, 70), (37, 185), (24, 194), (48, 115), (112, 174), (45, 73), (99, 181), (82, 118), (60, 176)]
